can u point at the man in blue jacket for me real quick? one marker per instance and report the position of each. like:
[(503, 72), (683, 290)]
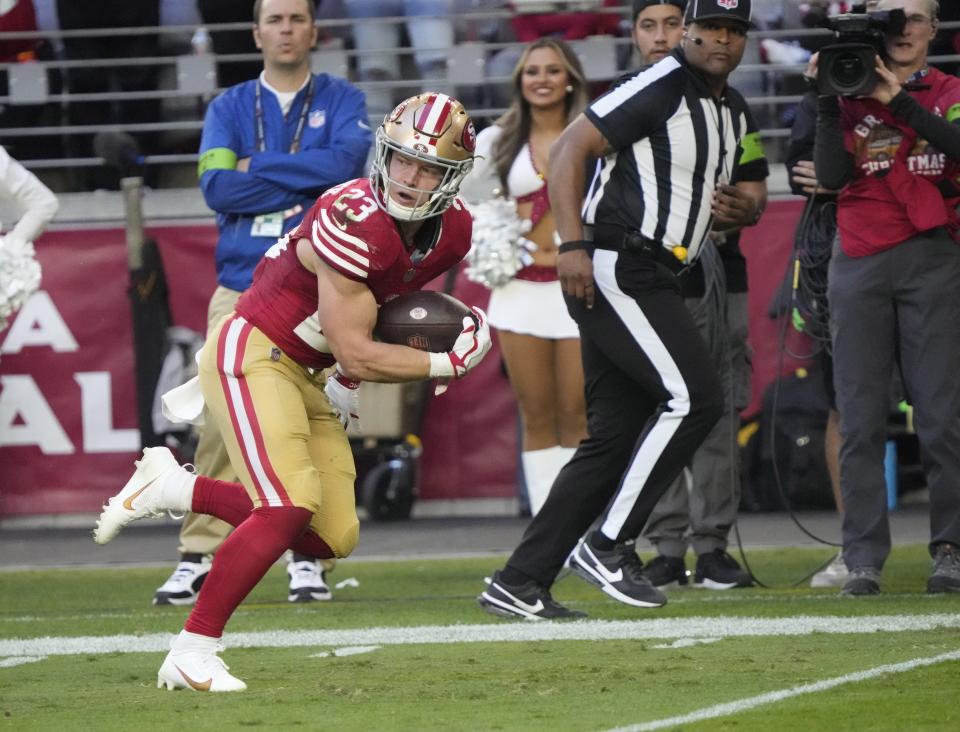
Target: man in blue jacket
[(270, 147)]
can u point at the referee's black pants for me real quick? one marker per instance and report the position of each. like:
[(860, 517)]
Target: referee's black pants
[(652, 396)]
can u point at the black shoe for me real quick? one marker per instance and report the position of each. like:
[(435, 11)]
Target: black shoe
[(663, 571), (618, 572), (946, 569), (862, 581), (182, 586), (308, 581), (717, 570), (529, 601)]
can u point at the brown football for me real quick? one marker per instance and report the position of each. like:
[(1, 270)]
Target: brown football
[(425, 320)]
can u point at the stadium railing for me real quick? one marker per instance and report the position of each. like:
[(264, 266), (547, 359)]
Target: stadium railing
[(188, 80)]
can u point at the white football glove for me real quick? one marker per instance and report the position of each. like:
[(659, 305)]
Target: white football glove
[(344, 396), (468, 350)]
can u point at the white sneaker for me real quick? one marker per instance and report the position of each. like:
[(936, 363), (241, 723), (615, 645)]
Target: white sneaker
[(198, 671), (307, 582), (182, 586), (833, 575), (141, 497)]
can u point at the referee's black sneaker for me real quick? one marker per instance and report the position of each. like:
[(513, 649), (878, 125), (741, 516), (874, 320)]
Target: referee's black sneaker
[(618, 572), (529, 601), (664, 571), (717, 570)]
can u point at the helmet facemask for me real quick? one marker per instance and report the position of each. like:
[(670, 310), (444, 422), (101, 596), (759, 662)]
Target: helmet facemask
[(432, 128)]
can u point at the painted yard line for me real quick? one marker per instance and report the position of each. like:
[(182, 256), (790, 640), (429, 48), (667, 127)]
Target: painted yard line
[(742, 705), (19, 661), (592, 630)]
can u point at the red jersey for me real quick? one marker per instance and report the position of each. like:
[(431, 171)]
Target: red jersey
[(361, 241)]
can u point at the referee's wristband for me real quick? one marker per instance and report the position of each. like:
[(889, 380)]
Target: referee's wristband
[(572, 246)]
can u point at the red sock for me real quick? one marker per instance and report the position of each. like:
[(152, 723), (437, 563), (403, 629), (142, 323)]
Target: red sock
[(312, 545), (230, 502), (227, 501), (241, 562)]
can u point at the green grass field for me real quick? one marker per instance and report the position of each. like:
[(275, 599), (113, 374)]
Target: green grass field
[(409, 649)]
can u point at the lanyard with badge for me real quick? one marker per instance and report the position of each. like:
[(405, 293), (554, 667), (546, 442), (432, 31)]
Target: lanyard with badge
[(271, 224)]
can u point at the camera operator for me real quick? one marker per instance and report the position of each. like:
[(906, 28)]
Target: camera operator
[(893, 289)]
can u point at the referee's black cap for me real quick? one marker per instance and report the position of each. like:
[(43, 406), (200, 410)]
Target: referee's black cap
[(706, 9), (640, 5)]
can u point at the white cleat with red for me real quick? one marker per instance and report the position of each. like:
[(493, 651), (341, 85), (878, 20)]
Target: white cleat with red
[(197, 670), (141, 497)]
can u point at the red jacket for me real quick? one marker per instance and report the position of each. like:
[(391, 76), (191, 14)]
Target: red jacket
[(894, 194), (20, 17), (529, 27)]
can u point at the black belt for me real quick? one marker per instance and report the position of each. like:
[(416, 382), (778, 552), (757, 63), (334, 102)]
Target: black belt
[(619, 239)]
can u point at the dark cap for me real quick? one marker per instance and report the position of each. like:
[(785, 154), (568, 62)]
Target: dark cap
[(640, 5), (704, 9)]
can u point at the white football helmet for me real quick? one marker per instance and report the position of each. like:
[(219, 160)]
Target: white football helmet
[(432, 127)]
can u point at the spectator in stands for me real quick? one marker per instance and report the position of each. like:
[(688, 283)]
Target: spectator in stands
[(567, 23), (539, 341), (530, 23), (429, 29), (814, 15), (35, 205), (822, 215), (93, 78), (700, 506), (768, 14), (270, 146), (20, 16), (947, 42), (892, 290)]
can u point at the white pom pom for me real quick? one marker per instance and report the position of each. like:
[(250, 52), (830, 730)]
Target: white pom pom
[(19, 276), (498, 250)]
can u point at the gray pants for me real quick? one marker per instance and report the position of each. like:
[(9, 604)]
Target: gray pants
[(700, 514), (902, 304)]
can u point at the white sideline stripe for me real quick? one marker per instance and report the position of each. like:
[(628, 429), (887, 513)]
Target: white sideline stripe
[(19, 661), (506, 632), (742, 705), (687, 642), (347, 651)]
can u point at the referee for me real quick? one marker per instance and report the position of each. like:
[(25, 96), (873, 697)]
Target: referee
[(667, 141)]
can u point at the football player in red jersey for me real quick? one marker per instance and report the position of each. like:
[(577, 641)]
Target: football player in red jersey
[(310, 314)]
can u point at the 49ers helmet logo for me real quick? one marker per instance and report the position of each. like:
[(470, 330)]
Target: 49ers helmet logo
[(469, 140)]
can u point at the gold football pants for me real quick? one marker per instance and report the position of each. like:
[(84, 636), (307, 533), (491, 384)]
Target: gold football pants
[(282, 436)]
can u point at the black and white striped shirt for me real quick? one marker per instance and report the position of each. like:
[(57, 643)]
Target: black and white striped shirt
[(674, 143)]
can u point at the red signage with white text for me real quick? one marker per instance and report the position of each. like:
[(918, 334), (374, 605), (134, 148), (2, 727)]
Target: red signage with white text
[(68, 430)]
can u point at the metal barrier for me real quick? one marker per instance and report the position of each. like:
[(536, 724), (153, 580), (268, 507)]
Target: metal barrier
[(192, 79)]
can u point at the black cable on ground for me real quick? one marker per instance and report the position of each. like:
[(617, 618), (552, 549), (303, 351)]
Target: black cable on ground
[(812, 249)]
